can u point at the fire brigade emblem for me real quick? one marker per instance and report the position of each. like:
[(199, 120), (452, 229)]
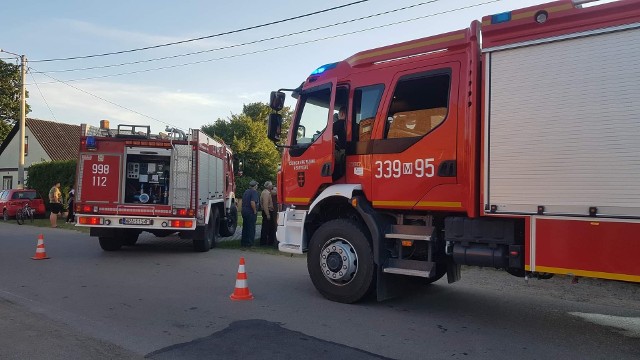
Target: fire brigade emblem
[(301, 179)]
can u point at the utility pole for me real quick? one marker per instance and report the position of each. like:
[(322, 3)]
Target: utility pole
[(23, 70), (23, 91)]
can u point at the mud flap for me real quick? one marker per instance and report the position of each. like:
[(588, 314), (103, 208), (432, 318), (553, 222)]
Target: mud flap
[(453, 272)]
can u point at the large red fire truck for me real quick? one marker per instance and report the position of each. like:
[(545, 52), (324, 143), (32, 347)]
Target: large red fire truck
[(129, 181), (510, 144)]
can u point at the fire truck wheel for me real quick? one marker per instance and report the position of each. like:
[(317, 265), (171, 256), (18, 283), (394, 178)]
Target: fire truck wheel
[(110, 243), (129, 238), (213, 227), (340, 261), (228, 225)]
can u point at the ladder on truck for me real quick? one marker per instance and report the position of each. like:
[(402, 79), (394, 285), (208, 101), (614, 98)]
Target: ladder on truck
[(181, 172)]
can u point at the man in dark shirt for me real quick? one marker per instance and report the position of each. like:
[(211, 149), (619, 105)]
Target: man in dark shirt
[(249, 214)]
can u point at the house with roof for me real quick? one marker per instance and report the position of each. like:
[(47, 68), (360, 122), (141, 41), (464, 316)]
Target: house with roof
[(44, 141)]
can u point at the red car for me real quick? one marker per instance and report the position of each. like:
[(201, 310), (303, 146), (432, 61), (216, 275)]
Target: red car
[(14, 199)]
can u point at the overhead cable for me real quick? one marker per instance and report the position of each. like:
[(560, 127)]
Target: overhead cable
[(283, 46), (245, 43), (206, 37)]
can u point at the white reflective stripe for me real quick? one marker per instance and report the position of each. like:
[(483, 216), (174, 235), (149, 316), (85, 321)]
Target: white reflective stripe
[(241, 268), (40, 250), (241, 284)]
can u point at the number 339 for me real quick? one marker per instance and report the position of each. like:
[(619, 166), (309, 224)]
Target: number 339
[(420, 168)]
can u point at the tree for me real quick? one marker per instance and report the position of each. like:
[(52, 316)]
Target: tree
[(9, 97), (246, 133)]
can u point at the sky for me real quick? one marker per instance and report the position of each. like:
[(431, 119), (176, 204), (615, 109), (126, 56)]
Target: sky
[(195, 90)]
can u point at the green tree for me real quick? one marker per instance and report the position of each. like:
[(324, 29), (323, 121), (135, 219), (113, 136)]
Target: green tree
[(9, 97), (246, 133)]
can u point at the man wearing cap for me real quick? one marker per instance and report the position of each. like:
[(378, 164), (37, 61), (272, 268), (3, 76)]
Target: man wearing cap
[(266, 204), (249, 214)]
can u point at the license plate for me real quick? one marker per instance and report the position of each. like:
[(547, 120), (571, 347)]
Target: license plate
[(128, 221)]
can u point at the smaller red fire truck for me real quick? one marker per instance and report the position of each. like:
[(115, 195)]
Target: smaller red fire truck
[(129, 181)]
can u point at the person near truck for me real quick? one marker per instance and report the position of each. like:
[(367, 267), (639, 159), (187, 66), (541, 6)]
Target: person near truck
[(55, 204), (266, 203), (249, 214)]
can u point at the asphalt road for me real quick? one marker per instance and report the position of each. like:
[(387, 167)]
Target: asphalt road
[(160, 300)]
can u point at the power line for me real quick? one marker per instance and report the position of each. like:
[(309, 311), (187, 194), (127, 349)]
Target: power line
[(109, 101), (246, 43), (284, 46), (40, 91), (208, 36)]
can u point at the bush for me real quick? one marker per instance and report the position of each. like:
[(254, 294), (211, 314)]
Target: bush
[(44, 175)]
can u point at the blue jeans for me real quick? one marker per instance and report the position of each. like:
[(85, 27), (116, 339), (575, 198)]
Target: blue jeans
[(248, 228)]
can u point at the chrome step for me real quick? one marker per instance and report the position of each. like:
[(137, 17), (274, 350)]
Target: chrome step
[(409, 267), (408, 237)]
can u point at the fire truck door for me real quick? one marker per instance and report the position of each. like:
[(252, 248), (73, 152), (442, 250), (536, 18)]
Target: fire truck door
[(309, 162), (416, 148)]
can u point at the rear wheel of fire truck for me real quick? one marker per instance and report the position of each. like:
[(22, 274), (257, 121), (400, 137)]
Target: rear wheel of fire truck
[(213, 227), (204, 243), (130, 237), (110, 243), (340, 261), (228, 225)]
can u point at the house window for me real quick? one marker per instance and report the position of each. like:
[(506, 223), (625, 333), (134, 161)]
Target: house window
[(420, 103), (7, 182)]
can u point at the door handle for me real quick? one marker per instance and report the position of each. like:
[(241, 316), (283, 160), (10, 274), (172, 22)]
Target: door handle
[(326, 169)]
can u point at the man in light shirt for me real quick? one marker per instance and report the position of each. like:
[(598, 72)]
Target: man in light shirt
[(266, 204)]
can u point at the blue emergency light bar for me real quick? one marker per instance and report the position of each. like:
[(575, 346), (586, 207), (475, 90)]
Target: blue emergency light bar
[(323, 68), (91, 143), (500, 18)]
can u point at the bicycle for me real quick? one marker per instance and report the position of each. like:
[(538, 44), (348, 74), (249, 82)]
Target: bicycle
[(26, 212)]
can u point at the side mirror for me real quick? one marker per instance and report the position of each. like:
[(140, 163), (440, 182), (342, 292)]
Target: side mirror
[(274, 126), (277, 100)]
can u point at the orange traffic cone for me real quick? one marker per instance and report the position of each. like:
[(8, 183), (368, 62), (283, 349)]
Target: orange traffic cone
[(41, 254), (241, 292)]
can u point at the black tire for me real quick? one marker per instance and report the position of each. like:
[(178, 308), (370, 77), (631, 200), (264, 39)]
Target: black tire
[(130, 237), (5, 215), (213, 227), (207, 242), (229, 224), (340, 261), (20, 217), (110, 243)]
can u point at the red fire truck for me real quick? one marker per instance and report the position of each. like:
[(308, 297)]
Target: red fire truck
[(129, 181), (510, 144)]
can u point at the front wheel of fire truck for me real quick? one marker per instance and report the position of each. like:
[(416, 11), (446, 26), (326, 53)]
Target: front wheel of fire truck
[(110, 243), (229, 224), (340, 261)]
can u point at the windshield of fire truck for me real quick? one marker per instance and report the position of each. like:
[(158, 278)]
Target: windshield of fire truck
[(314, 112)]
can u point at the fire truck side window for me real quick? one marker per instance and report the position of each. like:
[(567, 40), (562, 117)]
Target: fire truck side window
[(365, 106), (419, 105), (313, 117)]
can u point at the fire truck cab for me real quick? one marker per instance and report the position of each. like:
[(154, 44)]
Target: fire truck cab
[(515, 153)]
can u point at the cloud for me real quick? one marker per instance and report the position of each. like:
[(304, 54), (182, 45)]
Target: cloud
[(176, 107), (139, 38)]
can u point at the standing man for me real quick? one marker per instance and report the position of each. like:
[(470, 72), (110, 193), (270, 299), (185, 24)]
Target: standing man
[(249, 214), (55, 204), (266, 203)]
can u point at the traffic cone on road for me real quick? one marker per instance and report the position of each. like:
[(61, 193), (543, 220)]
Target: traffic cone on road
[(241, 292), (41, 254)]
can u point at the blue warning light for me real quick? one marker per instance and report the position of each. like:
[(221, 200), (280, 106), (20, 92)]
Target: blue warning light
[(323, 68), (500, 18)]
